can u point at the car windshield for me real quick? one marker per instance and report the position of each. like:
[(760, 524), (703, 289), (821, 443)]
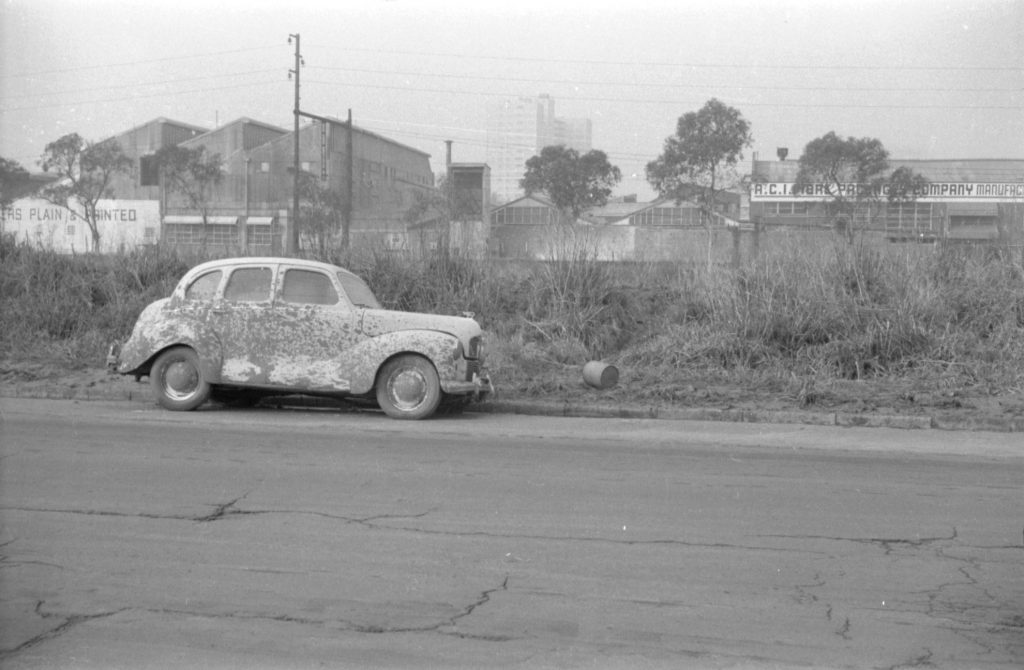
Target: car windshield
[(357, 290)]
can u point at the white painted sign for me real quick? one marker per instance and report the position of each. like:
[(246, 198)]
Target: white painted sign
[(122, 224), (934, 192)]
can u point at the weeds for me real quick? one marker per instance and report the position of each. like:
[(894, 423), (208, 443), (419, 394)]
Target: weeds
[(801, 311)]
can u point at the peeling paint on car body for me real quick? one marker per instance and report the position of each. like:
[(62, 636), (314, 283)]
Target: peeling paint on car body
[(254, 325), (159, 327)]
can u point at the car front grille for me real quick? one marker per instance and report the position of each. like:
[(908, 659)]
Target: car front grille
[(473, 367)]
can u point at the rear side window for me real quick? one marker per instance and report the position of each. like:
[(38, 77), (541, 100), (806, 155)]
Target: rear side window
[(249, 285), (308, 288), (358, 292), (204, 287)]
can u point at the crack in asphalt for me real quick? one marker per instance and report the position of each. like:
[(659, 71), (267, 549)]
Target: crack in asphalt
[(886, 543), (69, 622), (227, 509), (110, 513), (942, 601), (922, 661), (575, 538), (804, 592), (6, 562), (844, 630), (352, 626), (72, 620), (221, 511)]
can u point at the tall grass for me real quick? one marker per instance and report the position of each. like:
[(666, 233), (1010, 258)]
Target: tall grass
[(79, 302), (800, 310), (850, 312)]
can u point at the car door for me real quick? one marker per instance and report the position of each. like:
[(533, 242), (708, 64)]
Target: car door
[(240, 318), (312, 324)]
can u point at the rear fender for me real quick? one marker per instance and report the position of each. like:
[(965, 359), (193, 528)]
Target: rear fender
[(154, 335)]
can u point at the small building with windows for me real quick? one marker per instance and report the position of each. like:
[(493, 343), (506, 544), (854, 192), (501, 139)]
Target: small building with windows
[(965, 201)]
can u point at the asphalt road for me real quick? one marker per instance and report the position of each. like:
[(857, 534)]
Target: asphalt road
[(138, 538)]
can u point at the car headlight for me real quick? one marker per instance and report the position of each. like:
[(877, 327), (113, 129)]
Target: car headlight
[(476, 347)]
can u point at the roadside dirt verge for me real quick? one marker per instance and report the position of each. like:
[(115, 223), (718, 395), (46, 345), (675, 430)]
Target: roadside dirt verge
[(840, 402)]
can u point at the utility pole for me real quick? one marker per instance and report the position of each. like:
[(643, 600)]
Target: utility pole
[(293, 229), (349, 177)]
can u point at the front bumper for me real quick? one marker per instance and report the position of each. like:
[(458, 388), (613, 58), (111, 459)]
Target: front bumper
[(479, 387)]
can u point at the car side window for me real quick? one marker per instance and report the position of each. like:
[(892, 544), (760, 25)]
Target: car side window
[(358, 292), (249, 285), (204, 287), (308, 288)]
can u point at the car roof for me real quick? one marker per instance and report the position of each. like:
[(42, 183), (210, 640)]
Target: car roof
[(266, 260)]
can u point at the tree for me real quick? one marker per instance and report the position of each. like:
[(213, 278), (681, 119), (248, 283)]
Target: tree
[(849, 172), (434, 203), (84, 171), (192, 173), (323, 213), (699, 162), (12, 178), (573, 182), (905, 185)]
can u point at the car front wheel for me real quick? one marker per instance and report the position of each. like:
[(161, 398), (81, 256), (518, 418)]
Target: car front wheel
[(177, 380), (408, 388)]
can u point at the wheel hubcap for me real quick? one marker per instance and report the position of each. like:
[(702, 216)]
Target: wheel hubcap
[(408, 388), (181, 380)]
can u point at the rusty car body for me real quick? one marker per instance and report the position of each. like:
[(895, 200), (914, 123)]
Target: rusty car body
[(239, 329)]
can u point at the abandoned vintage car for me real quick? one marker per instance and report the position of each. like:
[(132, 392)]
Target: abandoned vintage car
[(239, 329)]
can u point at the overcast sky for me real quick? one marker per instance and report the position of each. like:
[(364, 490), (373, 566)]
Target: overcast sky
[(930, 78)]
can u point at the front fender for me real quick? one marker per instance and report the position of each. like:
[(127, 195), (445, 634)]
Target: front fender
[(155, 331), (365, 359)]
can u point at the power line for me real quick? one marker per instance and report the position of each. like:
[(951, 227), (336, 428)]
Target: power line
[(138, 62), (784, 105), (482, 143), (606, 99), (801, 104), (889, 67), (74, 103), (604, 82), (164, 82)]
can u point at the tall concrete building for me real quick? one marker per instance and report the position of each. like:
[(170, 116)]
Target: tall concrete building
[(517, 129)]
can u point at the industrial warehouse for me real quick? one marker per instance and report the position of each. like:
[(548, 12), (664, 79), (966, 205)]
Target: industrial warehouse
[(250, 210), (964, 201)]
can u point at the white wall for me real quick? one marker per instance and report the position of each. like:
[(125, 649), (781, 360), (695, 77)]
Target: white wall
[(124, 224)]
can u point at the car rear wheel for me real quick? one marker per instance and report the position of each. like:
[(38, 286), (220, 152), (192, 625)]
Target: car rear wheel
[(408, 388), (177, 380)]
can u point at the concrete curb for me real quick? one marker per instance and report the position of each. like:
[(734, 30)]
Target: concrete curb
[(141, 393), (843, 419)]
